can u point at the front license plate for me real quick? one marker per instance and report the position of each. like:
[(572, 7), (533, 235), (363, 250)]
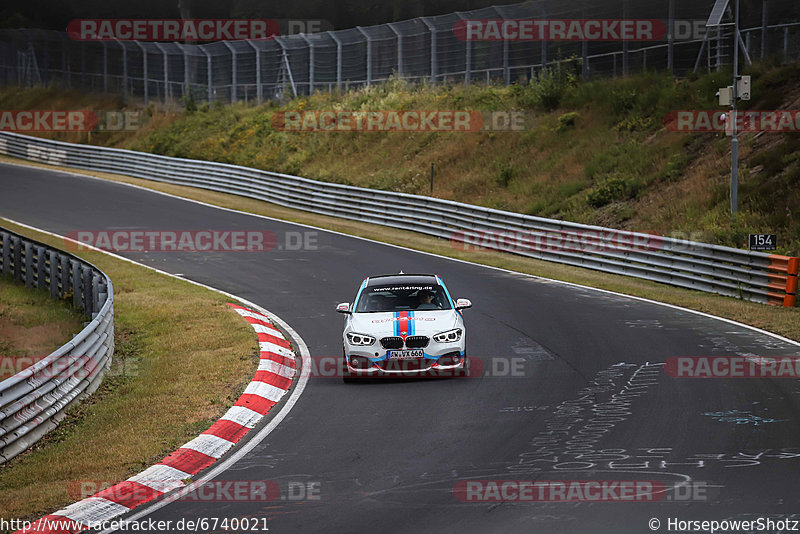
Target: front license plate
[(405, 354)]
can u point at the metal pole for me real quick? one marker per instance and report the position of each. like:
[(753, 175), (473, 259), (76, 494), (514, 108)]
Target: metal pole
[(735, 140), (186, 77), (166, 71), (671, 37), (233, 70), (338, 61), (585, 60), (625, 42), (259, 89), (124, 72), (399, 49), (506, 72), (369, 54), (105, 66), (763, 28), (208, 74), (434, 66), (310, 63), (786, 43), (144, 69), (468, 58)]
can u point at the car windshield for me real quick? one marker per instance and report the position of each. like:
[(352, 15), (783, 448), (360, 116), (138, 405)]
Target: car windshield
[(402, 298)]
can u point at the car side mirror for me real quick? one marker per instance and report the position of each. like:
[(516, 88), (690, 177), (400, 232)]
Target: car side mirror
[(344, 307), (463, 304)]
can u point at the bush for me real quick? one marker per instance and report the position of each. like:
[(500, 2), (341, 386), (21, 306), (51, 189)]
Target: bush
[(507, 173), (567, 120), (609, 190)]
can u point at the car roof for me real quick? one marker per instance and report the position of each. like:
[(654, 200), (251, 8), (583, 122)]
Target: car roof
[(402, 279)]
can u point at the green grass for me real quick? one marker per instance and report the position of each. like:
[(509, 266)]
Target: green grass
[(164, 387), (32, 325), (595, 152)]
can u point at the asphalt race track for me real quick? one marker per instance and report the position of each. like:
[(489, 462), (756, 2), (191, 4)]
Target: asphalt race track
[(385, 455)]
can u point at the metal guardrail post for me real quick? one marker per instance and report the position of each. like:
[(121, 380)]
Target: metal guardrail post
[(41, 267), (29, 274), (54, 264)]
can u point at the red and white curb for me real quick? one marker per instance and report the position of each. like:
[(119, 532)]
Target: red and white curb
[(273, 379)]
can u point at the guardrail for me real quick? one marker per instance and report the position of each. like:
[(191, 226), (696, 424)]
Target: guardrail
[(35, 399), (755, 276)]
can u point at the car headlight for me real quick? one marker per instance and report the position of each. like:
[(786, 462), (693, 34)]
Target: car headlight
[(360, 339), (451, 336)]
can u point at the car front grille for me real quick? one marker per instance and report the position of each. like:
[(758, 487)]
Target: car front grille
[(417, 364), (392, 342), (417, 342)]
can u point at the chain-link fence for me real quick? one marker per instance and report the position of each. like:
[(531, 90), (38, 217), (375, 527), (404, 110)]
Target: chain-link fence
[(425, 49)]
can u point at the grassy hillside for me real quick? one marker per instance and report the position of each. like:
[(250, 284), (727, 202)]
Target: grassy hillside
[(595, 153)]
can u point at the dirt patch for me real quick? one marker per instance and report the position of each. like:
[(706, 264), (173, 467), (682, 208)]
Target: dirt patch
[(31, 326)]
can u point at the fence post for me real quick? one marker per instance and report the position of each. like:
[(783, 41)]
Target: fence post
[(338, 61), (233, 70), (786, 43), (399, 49), (208, 74), (6, 253), (83, 63), (17, 259), (64, 72), (259, 89), (763, 28), (105, 66), (53, 274), (41, 267), (28, 264), (585, 60), (144, 71), (369, 54), (124, 71), (467, 51), (310, 63), (76, 282), (166, 71), (625, 42), (186, 78), (434, 66), (671, 37)]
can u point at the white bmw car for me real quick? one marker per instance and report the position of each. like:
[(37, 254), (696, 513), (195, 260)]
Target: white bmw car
[(403, 324)]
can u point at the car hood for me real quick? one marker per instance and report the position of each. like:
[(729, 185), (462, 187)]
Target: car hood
[(412, 323)]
